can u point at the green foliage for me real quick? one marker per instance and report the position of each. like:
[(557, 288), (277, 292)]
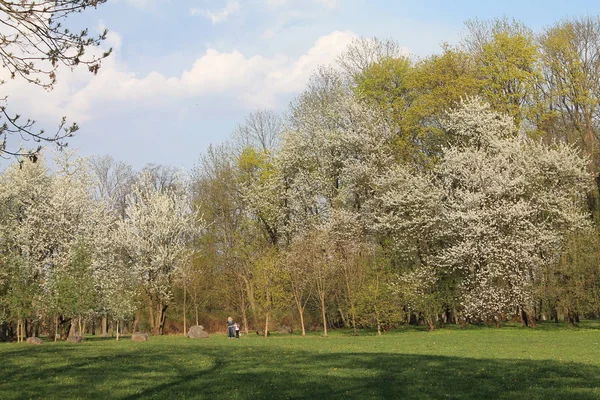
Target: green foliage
[(508, 66), (19, 290), (73, 287), (438, 83), (572, 286)]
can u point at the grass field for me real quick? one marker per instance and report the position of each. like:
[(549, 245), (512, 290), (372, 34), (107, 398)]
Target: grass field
[(548, 362)]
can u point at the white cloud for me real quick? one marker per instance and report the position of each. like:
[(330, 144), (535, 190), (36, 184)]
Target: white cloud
[(231, 8), (249, 81)]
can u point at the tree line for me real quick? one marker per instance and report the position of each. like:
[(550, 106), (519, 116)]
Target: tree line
[(456, 188)]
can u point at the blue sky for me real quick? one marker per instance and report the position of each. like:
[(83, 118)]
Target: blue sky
[(184, 73)]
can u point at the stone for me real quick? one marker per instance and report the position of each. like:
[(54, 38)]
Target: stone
[(34, 340), (139, 337), (197, 332), (74, 339), (285, 329)]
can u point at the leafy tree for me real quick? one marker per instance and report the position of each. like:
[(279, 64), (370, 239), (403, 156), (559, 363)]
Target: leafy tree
[(509, 68), (571, 286), (571, 57), (437, 83)]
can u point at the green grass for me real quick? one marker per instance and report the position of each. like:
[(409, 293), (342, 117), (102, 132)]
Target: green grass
[(475, 363)]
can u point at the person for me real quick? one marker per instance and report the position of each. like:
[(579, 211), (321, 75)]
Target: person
[(237, 330), (230, 327)]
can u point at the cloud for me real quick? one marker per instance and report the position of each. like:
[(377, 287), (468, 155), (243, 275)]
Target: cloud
[(231, 79), (231, 8)]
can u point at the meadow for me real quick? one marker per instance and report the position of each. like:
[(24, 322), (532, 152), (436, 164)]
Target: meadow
[(549, 362)]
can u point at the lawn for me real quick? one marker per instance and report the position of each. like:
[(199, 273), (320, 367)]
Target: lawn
[(474, 363)]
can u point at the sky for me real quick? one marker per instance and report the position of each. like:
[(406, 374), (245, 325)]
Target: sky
[(184, 73)]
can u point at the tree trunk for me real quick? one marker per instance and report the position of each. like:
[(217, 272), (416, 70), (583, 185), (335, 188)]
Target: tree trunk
[(322, 296), (267, 324), (350, 297), (251, 300), (151, 317), (161, 316), (245, 319), (184, 310), (300, 312), (524, 317), (36, 328), (136, 321), (117, 329), (343, 316), (104, 328)]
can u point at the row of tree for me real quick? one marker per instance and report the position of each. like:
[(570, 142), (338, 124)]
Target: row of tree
[(458, 188)]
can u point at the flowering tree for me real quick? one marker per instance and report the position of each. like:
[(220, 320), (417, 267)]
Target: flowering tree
[(492, 214), (154, 233), (509, 203), (24, 188)]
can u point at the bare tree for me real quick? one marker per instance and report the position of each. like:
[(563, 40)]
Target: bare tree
[(163, 177), (481, 32), (114, 180), (363, 52), (262, 130)]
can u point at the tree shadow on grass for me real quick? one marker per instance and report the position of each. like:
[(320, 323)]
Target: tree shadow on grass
[(214, 371)]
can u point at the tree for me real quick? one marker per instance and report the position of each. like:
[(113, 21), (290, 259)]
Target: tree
[(436, 84), (297, 273), (488, 218), (571, 57), (155, 232), (229, 238), (33, 45), (509, 68), (261, 130), (25, 190), (571, 287), (113, 181), (362, 52)]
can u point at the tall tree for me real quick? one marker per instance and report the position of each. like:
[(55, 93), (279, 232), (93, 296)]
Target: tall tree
[(571, 58), (155, 232)]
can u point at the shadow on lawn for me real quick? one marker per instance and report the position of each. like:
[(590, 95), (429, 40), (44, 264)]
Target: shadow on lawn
[(238, 372)]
